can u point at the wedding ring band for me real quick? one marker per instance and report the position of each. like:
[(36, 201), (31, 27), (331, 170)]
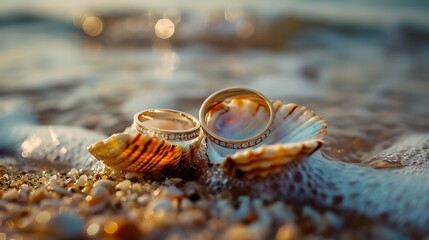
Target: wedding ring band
[(168, 124), (230, 94)]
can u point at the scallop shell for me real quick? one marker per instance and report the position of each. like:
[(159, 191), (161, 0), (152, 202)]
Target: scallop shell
[(297, 132), (139, 153)]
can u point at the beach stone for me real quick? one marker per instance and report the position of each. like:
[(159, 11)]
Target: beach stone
[(160, 205), (73, 172), (223, 208), (38, 194), (108, 184), (66, 226), (88, 187), (131, 175), (23, 193), (124, 185), (143, 200), (243, 210), (137, 187), (80, 182), (170, 192), (98, 199), (60, 190), (10, 195), (280, 212)]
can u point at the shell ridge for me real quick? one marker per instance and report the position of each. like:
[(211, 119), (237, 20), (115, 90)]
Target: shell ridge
[(123, 160), (139, 152)]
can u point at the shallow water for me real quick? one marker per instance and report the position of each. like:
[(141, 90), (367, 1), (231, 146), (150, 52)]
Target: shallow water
[(370, 87)]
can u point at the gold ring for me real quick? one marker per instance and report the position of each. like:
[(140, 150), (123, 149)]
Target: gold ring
[(235, 93), (168, 124)]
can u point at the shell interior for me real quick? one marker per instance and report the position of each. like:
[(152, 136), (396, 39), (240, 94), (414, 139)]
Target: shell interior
[(297, 132)]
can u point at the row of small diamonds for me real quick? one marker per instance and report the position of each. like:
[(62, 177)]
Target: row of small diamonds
[(166, 136), (238, 145)]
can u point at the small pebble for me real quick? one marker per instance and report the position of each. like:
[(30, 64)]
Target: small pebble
[(73, 172), (243, 210), (69, 182), (131, 175), (223, 208), (160, 205), (173, 181), (170, 192), (280, 212), (49, 203), (84, 177), (11, 195), (131, 197), (53, 182), (137, 187), (119, 194), (37, 195), (24, 178), (143, 200), (108, 184), (81, 181), (87, 188), (24, 192), (67, 226), (60, 190), (98, 199), (124, 185)]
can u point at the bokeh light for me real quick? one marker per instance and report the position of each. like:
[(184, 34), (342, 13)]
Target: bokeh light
[(93, 229), (110, 227), (164, 28), (93, 26)]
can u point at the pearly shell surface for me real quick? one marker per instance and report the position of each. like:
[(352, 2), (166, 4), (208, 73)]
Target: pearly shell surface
[(297, 132), (135, 152)]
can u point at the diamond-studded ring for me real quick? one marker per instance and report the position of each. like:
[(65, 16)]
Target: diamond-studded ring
[(213, 101), (170, 125)]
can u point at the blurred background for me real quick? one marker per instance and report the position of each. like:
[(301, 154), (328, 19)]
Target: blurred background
[(362, 65)]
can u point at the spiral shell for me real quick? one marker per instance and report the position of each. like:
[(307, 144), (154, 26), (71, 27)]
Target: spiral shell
[(297, 132), (138, 153)]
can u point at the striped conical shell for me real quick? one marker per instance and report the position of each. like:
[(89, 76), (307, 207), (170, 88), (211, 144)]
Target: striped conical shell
[(137, 152), (297, 132)]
